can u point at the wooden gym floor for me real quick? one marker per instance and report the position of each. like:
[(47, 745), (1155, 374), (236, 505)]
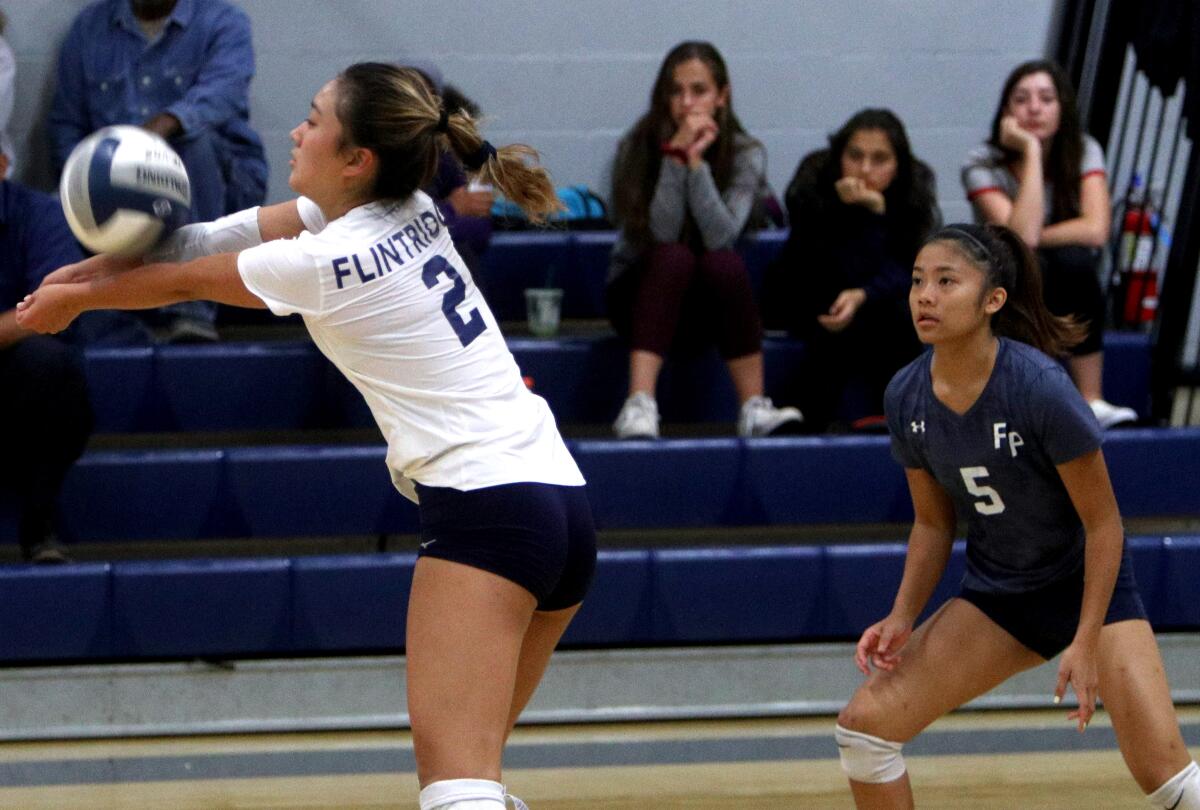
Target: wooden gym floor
[(1001, 760)]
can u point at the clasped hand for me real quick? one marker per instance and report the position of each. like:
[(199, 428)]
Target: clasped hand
[(854, 191), (47, 309), (58, 301), (695, 134)]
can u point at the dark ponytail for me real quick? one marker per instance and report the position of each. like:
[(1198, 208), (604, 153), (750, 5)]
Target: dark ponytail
[(1009, 263), (392, 111)]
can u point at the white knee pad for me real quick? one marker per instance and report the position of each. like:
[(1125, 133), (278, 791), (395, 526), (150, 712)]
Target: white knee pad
[(1180, 792), (463, 794), (869, 759)]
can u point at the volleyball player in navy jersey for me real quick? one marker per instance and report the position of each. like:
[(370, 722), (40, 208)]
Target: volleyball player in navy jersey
[(508, 546), (989, 426)]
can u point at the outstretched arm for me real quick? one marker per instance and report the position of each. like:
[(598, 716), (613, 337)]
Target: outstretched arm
[(52, 308)]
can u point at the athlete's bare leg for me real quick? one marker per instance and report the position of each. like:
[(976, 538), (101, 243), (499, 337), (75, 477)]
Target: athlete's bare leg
[(956, 655), (466, 628), (1133, 686), (541, 638)]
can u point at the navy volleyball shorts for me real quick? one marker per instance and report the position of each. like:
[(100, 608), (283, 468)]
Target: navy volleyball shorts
[(1045, 619), (540, 536)]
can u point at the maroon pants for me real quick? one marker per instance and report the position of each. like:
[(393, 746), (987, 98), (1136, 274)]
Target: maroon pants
[(679, 299)]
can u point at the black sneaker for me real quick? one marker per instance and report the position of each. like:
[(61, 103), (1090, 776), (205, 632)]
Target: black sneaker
[(190, 330), (50, 552)]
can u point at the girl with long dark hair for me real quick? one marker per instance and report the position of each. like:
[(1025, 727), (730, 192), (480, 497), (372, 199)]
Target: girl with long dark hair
[(859, 211), (686, 182), (1042, 176)]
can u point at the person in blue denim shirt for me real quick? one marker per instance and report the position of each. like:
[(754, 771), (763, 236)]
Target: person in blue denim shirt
[(45, 417), (182, 69)]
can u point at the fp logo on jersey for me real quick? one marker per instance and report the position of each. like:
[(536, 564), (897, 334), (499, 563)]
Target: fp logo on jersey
[(1001, 433)]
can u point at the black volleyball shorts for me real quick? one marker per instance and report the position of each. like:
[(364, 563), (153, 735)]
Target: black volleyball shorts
[(1045, 619), (540, 536)]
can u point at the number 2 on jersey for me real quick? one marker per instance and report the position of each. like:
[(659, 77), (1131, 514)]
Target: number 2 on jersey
[(991, 503), (466, 330)]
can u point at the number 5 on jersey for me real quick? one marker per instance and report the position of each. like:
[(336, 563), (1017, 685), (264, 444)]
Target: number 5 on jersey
[(991, 503)]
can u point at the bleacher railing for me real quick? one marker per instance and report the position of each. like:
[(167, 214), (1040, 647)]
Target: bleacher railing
[(1136, 103)]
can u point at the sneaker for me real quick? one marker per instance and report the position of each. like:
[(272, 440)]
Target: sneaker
[(638, 418), (190, 330), (760, 417), (1109, 415), (48, 553)]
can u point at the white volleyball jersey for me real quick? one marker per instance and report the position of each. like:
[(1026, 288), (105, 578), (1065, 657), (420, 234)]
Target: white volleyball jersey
[(387, 299)]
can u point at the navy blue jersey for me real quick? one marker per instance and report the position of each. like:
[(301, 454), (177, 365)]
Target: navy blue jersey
[(997, 462)]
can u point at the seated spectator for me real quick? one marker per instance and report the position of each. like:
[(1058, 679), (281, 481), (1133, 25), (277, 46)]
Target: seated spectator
[(8, 76), (859, 211), (45, 418), (687, 181), (1043, 177), (182, 69), (466, 207)]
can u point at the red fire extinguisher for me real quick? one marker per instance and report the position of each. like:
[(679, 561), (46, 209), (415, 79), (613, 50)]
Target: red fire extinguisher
[(1139, 281)]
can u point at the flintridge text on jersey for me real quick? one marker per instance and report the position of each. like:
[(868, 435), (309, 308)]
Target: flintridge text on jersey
[(409, 240)]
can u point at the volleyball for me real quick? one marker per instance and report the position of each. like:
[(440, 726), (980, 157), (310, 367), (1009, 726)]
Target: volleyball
[(123, 189)]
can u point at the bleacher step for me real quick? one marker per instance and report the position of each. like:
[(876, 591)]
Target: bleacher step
[(150, 700)]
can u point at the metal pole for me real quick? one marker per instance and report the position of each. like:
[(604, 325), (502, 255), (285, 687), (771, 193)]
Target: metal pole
[(1091, 59)]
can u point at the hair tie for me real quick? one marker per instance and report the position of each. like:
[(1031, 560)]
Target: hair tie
[(480, 156), (443, 123)]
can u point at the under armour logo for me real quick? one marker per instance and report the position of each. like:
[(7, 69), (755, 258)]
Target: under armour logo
[(428, 543), (918, 427)]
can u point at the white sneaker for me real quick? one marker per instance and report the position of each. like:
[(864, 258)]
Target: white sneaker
[(759, 417), (1109, 415), (638, 418)]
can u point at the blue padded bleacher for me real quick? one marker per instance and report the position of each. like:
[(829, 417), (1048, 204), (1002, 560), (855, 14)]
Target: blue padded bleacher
[(55, 612), (578, 264), (134, 495), (314, 490), (352, 601), (283, 491), (200, 608), (315, 605), (738, 594), (287, 385)]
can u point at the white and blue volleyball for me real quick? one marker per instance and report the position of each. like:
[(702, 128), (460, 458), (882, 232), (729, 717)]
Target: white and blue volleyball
[(123, 189)]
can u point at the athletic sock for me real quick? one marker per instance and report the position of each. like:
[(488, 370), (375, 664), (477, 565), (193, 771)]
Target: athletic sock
[(1180, 792), (463, 794)]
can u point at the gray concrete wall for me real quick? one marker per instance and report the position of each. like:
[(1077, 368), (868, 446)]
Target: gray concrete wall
[(570, 77)]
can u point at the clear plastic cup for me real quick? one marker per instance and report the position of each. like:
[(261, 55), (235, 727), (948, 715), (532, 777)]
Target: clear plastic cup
[(543, 309)]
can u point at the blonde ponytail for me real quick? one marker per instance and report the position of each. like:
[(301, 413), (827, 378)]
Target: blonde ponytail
[(513, 169)]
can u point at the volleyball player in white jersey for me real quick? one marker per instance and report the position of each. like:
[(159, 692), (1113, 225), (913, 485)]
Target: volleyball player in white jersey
[(990, 427), (508, 546)]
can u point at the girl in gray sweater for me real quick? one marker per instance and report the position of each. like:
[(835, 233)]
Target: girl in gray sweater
[(686, 181)]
